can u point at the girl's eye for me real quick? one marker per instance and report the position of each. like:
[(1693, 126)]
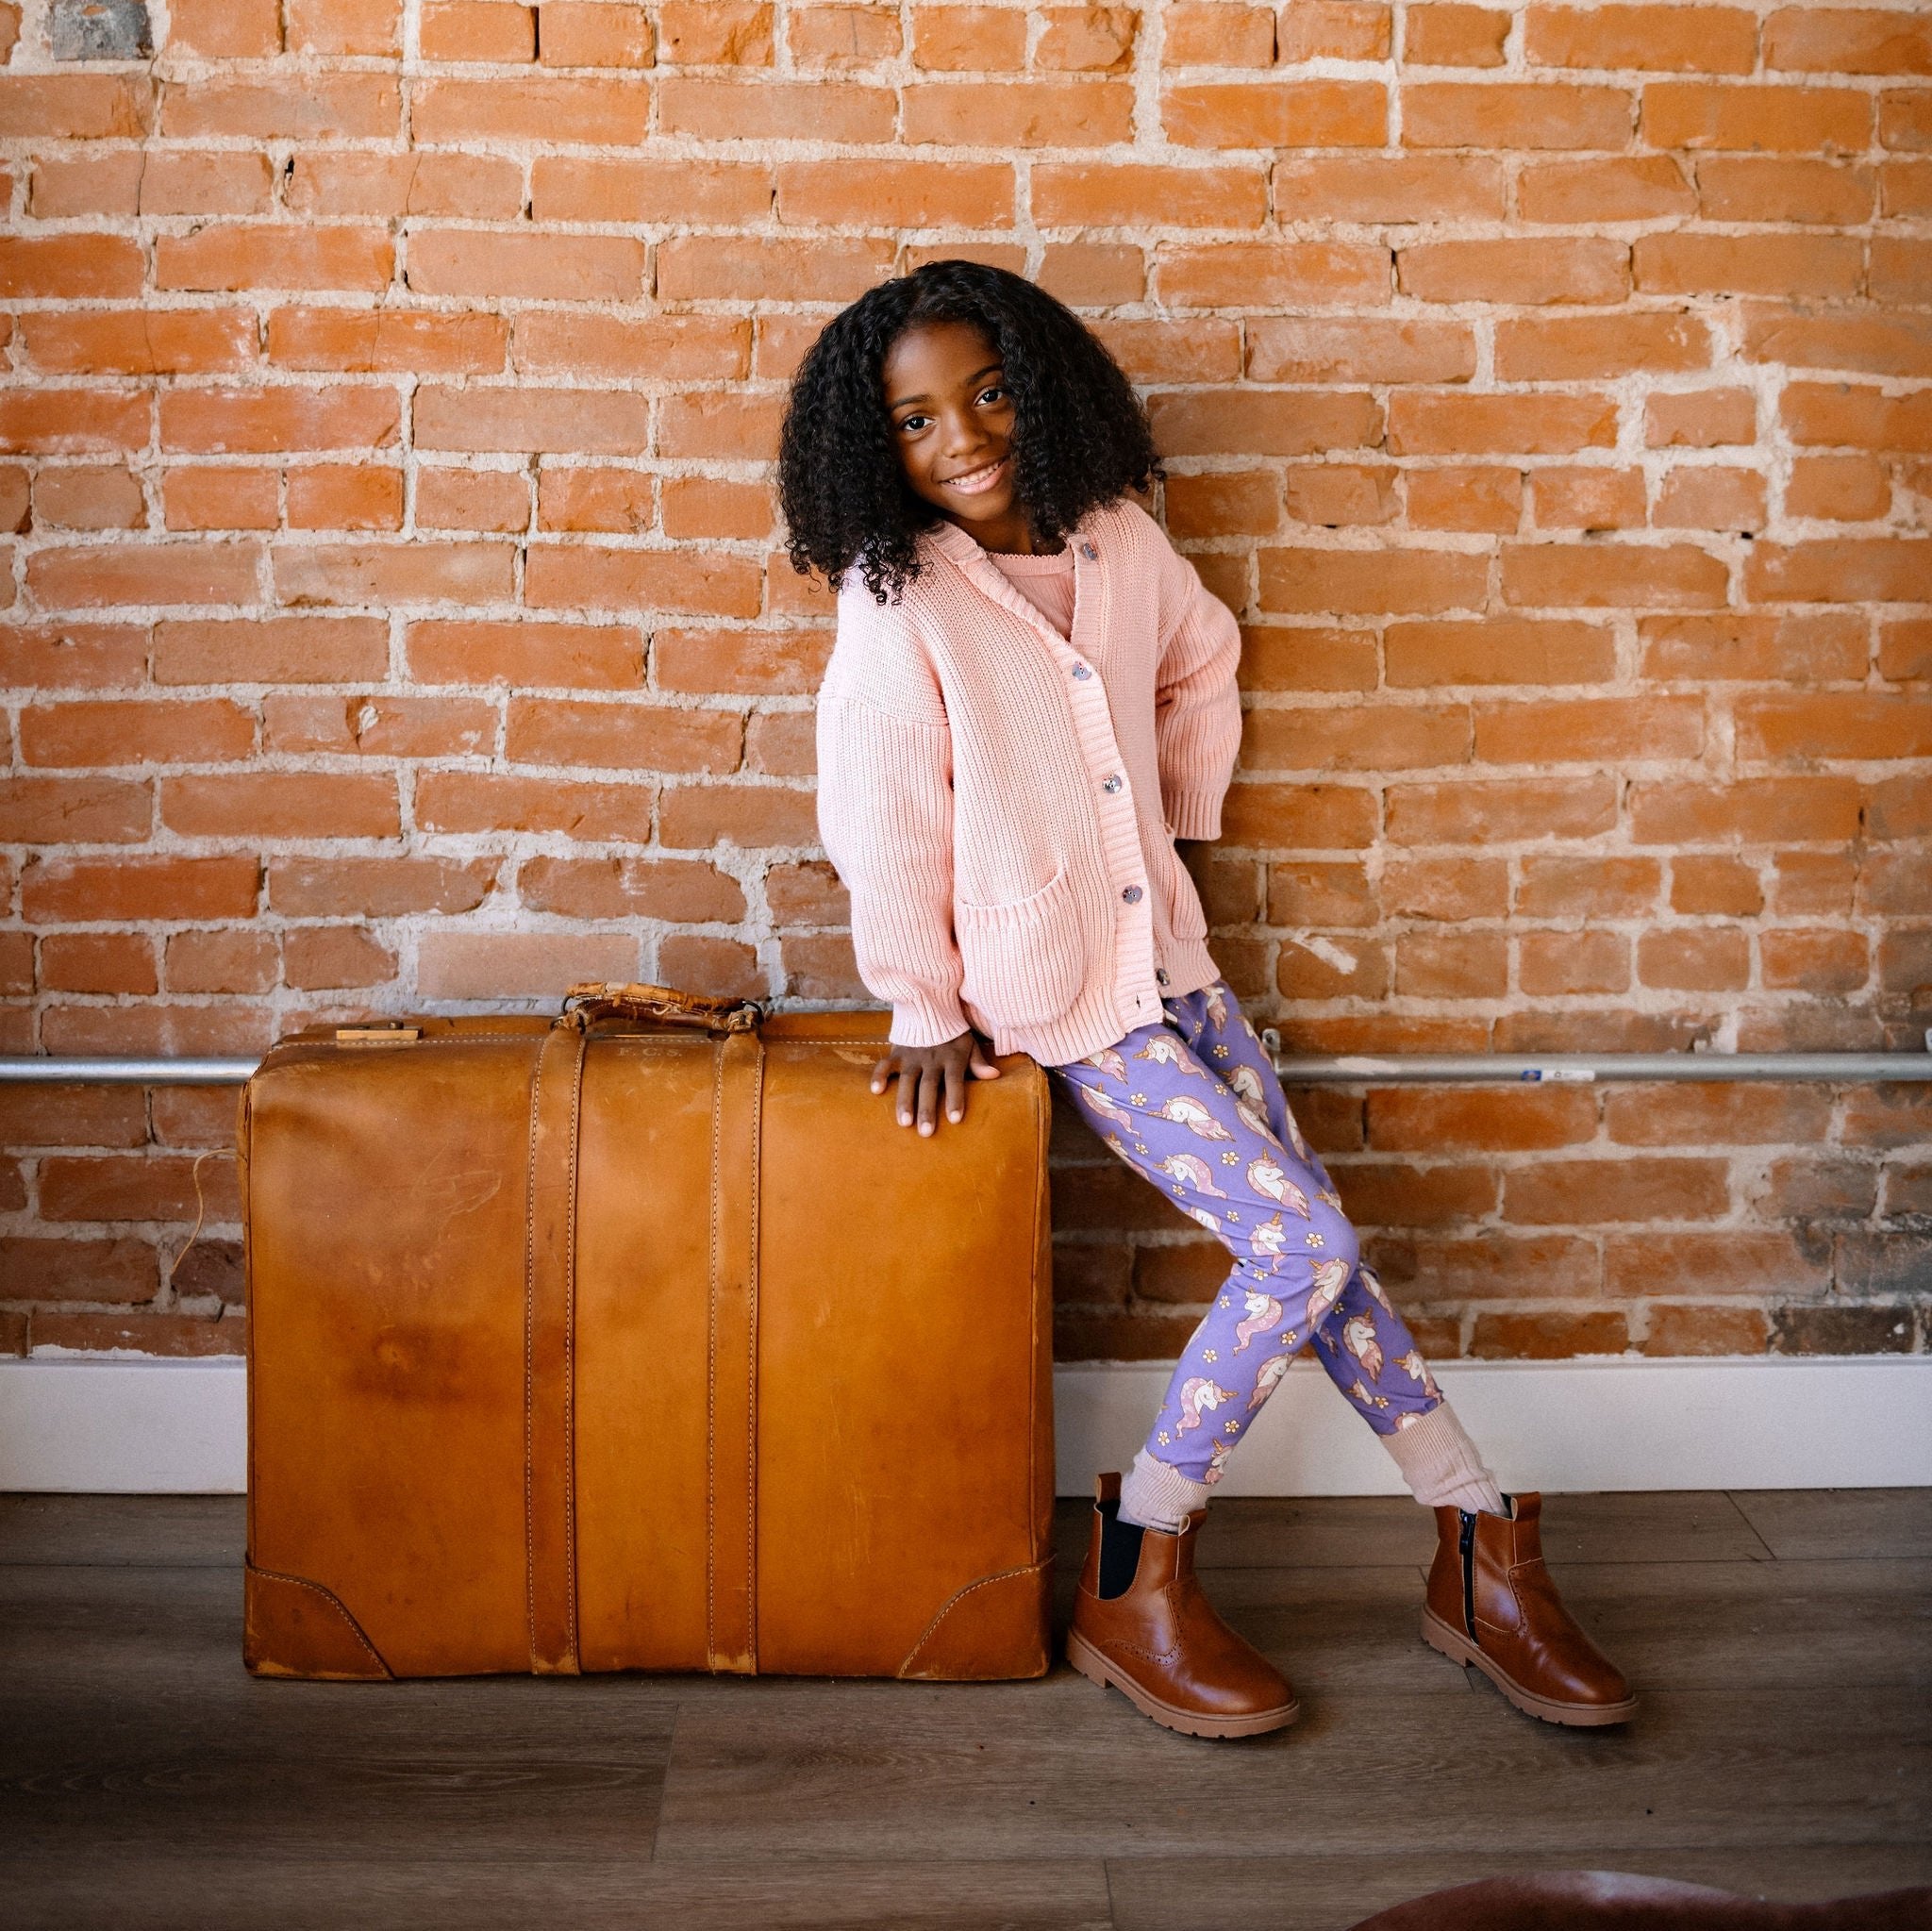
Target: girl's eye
[(914, 424), (997, 393)]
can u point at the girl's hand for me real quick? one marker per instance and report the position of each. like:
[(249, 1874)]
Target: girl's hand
[(925, 1070)]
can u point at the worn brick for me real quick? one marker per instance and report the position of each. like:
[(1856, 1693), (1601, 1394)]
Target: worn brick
[(1605, 887), (1401, 1194), (1557, 964), (1448, 33), (1836, 1328), (1450, 1268), (1698, 1328), (1805, 1186), (1420, 1120), (1728, 1113), (1550, 1336), (1588, 1193)]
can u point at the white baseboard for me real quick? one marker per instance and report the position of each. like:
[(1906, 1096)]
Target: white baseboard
[(1743, 1421), (131, 1424), (127, 1424)]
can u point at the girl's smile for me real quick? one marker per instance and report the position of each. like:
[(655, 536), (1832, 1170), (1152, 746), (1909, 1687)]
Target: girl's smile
[(977, 482)]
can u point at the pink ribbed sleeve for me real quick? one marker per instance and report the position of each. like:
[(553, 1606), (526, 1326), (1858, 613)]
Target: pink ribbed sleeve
[(885, 808), (1197, 705)]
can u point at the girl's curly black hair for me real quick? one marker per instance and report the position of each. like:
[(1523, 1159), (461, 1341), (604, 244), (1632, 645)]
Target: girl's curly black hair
[(1080, 435)]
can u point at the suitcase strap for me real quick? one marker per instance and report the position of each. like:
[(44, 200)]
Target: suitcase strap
[(731, 1504), (550, 1352)]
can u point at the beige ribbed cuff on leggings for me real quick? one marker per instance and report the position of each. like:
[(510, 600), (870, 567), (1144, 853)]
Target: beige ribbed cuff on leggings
[(1159, 1497), (1441, 1464)]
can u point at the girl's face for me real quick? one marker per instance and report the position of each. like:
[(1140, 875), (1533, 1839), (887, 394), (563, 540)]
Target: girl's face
[(953, 425)]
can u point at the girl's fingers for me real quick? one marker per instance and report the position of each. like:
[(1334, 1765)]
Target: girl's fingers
[(925, 1083)]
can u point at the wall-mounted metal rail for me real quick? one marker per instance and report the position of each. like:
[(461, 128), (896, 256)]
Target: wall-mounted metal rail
[(98, 1070), (1587, 1068), (1397, 1069)]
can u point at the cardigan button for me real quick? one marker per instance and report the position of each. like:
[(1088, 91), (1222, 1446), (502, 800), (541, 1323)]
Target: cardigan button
[(1111, 782), (1082, 670), (1088, 551), (1132, 894), (1160, 974)]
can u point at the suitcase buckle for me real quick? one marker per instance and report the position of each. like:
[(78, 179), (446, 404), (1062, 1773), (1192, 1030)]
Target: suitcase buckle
[(392, 1032)]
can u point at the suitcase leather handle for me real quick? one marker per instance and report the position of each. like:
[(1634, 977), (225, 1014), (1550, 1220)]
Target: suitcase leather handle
[(593, 1000)]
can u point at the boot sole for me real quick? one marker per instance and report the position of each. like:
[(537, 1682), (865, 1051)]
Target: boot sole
[(1454, 1644), (1095, 1668)]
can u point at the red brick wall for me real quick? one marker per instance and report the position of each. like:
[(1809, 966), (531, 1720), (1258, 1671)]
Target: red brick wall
[(393, 612)]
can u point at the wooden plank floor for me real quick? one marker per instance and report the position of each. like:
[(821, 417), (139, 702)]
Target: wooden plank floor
[(1783, 1747)]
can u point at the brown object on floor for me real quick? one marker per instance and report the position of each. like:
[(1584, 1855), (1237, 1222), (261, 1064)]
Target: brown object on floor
[(1160, 1643), (641, 1339), (1491, 1604), (1607, 1901)]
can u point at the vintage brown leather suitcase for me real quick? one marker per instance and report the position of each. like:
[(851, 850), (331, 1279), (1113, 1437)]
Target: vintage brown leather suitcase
[(641, 1339)]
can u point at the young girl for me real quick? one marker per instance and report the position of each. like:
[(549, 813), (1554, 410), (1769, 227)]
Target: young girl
[(1031, 701)]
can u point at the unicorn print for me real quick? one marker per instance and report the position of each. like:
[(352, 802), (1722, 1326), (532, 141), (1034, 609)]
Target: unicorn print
[(1192, 1172), (1264, 1176), (1204, 1217), (1272, 1372), (1110, 1062), (1194, 1117), (1372, 1282), (1358, 1334), (1217, 1461), (1330, 1278), (1215, 999), (1417, 1370), (1264, 1311), (1269, 1237), (1247, 1082), (1294, 1138), (1165, 1050), (1200, 1396), (1256, 1122), (1110, 1110)]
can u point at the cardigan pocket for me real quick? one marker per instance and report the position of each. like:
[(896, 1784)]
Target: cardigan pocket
[(1023, 961)]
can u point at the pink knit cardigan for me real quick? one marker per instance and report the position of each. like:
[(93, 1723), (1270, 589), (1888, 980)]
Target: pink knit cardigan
[(1002, 802)]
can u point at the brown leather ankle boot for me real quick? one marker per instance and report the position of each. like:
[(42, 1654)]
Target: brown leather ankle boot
[(1158, 1642), (1491, 1602)]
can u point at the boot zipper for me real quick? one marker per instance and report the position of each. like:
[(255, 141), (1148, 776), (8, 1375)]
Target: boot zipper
[(1468, 1547)]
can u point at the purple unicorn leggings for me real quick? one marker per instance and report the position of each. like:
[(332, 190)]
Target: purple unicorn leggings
[(1195, 1106)]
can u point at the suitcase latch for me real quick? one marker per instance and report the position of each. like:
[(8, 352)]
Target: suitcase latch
[(390, 1033)]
